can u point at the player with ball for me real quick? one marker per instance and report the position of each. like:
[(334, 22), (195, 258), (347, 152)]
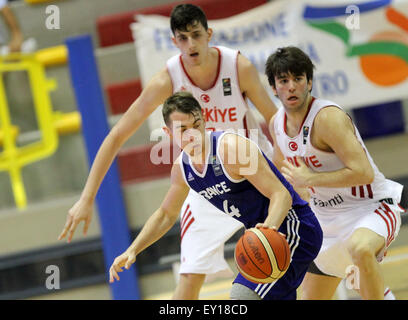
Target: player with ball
[(231, 172)]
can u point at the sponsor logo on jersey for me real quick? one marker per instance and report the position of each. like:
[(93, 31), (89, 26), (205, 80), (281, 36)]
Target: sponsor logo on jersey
[(293, 146), (226, 86), (335, 201), (216, 167), (305, 134), (190, 177)]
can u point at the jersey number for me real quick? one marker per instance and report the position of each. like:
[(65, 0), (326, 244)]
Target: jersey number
[(234, 211)]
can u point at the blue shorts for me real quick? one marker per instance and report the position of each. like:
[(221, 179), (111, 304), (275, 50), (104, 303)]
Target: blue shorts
[(305, 237)]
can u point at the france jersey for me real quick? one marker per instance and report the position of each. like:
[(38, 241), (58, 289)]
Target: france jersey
[(239, 199), (242, 201)]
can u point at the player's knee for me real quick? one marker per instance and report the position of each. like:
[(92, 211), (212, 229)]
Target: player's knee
[(364, 245), (189, 286), (192, 279), (241, 292), (360, 251)]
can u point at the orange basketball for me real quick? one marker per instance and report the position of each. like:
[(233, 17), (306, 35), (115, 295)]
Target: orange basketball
[(262, 255)]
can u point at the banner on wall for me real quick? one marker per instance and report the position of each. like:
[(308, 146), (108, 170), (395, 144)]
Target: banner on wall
[(360, 51)]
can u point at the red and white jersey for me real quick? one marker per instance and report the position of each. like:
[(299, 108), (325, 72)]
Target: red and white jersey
[(323, 200), (223, 105)]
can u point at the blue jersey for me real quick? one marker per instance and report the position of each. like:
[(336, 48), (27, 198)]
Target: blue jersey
[(242, 201), (239, 199)]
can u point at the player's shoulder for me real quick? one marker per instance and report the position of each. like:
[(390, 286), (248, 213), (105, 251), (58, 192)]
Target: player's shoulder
[(178, 161), (271, 125), (161, 80), (226, 139), (278, 116), (231, 144), (230, 138), (330, 115), (235, 55), (163, 74), (227, 142), (173, 63), (243, 62), (177, 172), (173, 58), (247, 73), (227, 50)]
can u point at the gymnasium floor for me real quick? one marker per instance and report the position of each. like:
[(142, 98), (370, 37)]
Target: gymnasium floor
[(395, 267)]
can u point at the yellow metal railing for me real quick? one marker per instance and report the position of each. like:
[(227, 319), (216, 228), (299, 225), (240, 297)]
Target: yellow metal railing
[(52, 56), (38, 1), (13, 157)]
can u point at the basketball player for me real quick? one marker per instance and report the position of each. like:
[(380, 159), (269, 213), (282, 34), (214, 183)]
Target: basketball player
[(221, 79), (249, 189), (318, 147)]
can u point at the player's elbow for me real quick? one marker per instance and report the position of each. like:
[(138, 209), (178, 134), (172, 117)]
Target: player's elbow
[(366, 175), (369, 175), (168, 216), (116, 137)]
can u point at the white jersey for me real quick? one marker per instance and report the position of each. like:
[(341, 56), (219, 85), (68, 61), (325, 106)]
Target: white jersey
[(223, 105), (330, 201)]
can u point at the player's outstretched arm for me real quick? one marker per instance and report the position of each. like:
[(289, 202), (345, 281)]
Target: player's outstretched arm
[(155, 93), (157, 225), (256, 170), (253, 88)]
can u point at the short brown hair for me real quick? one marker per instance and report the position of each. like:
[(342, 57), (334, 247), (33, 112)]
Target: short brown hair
[(183, 102), (288, 60), (184, 15)]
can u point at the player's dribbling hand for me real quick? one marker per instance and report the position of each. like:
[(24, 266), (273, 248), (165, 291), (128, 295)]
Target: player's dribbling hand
[(265, 225), (126, 259), (81, 210)]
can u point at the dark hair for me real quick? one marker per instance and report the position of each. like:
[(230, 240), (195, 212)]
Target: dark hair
[(185, 15), (183, 102), (288, 60)]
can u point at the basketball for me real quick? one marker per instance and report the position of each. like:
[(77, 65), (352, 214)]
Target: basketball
[(262, 255)]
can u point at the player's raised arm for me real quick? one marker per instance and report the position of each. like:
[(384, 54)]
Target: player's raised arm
[(253, 88), (156, 91), (157, 225), (257, 171)]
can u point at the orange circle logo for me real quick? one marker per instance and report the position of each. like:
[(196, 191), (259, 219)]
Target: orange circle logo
[(385, 69)]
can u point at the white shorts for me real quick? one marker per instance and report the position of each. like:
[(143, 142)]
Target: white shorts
[(382, 218), (204, 229)]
